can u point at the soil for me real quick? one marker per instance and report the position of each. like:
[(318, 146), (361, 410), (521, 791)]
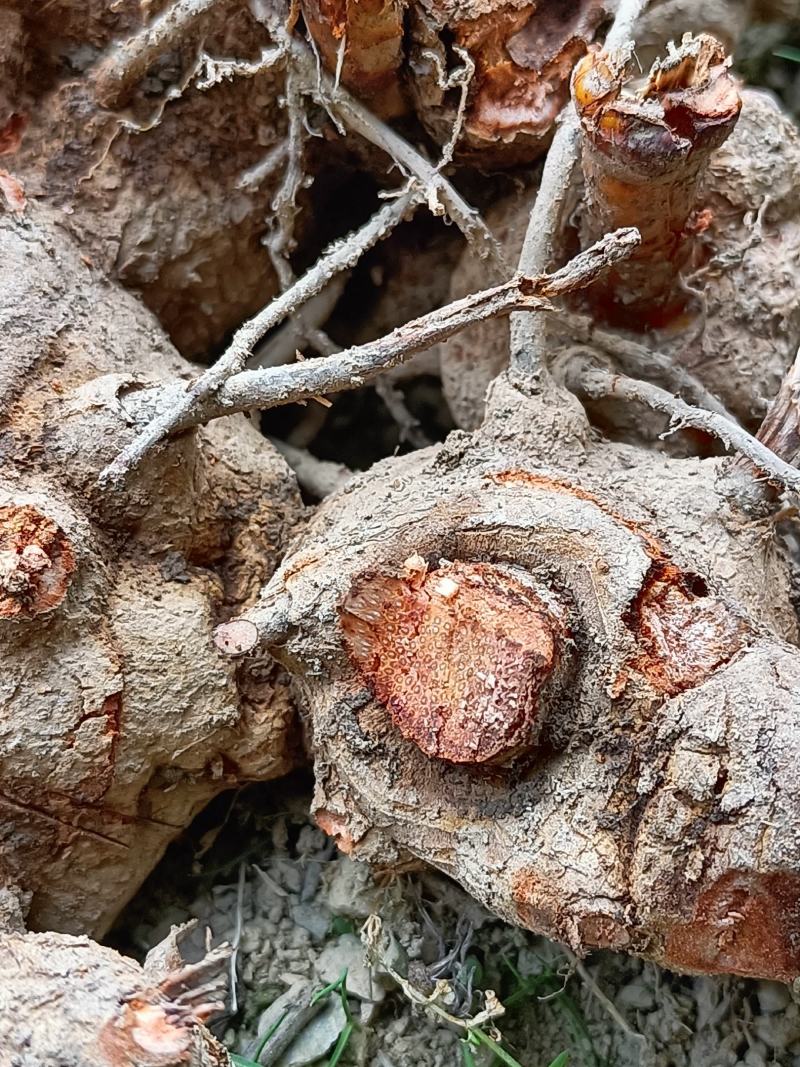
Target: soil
[(302, 905)]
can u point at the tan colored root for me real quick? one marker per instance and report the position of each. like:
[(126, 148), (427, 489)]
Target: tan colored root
[(67, 1000), (621, 820), (120, 721)]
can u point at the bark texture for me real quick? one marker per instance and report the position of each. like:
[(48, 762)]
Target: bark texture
[(66, 1001), (651, 805), (119, 720)]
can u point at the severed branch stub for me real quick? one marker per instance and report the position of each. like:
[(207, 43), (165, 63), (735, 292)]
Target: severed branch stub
[(544, 226), (644, 156), (463, 656)]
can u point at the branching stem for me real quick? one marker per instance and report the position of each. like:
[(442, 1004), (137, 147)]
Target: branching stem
[(538, 250), (188, 403), (589, 381), (354, 367)]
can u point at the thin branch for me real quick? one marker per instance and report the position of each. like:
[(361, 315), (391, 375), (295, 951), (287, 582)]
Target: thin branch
[(128, 62), (639, 361), (354, 367), (319, 477), (441, 196), (538, 250), (340, 257), (282, 346), (395, 403), (589, 381)]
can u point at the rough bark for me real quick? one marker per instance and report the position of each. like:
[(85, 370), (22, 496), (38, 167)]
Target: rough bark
[(119, 721), (563, 670), (649, 800)]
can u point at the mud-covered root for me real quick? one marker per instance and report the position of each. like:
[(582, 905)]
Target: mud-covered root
[(150, 169), (532, 676), (66, 999), (644, 157), (119, 721)]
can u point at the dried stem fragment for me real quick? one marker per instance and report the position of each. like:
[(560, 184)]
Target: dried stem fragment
[(340, 257), (644, 156), (592, 382)]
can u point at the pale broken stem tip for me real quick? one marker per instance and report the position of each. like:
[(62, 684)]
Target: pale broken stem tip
[(236, 638)]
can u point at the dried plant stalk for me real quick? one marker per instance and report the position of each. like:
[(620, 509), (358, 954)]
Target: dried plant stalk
[(644, 156)]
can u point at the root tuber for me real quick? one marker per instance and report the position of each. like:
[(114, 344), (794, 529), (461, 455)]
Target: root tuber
[(68, 1001), (119, 721), (649, 804)]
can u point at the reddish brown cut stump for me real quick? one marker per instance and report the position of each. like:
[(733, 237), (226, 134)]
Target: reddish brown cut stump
[(683, 633), (366, 36), (460, 656), (644, 156), (36, 562), (745, 923)]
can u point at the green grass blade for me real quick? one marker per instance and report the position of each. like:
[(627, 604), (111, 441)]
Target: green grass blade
[(466, 1053), (330, 988), (505, 1057), (273, 1029), (561, 1060), (341, 1044)]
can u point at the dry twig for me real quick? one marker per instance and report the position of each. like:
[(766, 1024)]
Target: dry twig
[(527, 344), (128, 62), (341, 256), (589, 381), (638, 360), (353, 367)]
